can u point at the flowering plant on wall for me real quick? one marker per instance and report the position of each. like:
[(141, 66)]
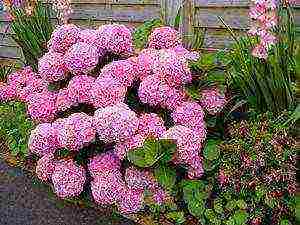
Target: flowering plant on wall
[(134, 109)]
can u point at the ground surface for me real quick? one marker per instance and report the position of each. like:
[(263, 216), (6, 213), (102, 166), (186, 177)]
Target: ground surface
[(23, 201)]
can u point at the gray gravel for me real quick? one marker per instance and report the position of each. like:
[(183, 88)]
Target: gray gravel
[(26, 202)]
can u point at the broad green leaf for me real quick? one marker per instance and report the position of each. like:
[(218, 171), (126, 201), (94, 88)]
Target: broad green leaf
[(209, 214), (211, 150), (230, 205), (196, 208), (240, 217), (152, 152), (218, 208), (241, 204), (165, 176), (177, 217)]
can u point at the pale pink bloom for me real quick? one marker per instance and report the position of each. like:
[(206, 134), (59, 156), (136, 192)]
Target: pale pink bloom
[(116, 38), (190, 114), (45, 167), (223, 178), (183, 52), (52, 67), (131, 201), (63, 37), (91, 37), (108, 188), (151, 125), (104, 163), (123, 71), (115, 123), (79, 88), (75, 132), (260, 51), (172, 68), (64, 100), (68, 179), (267, 39), (43, 140), (268, 20), (81, 58), (107, 91), (212, 100), (146, 61), (41, 107), (63, 9), (164, 38), (257, 10), (189, 145)]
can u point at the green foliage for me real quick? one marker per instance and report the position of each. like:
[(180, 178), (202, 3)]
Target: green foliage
[(152, 152), (177, 217), (15, 127), (141, 34), (32, 32), (267, 85), (166, 176), (5, 70), (211, 150)]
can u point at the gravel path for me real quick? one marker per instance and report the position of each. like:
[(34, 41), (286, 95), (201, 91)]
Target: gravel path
[(24, 201)]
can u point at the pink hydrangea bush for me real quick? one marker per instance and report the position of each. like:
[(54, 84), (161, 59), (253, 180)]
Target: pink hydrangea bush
[(157, 74)]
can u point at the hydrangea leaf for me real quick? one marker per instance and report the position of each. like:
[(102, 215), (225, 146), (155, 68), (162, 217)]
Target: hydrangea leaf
[(152, 152), (165, 176), (211, 150), (196, 208), (177, 217), (240, 217)]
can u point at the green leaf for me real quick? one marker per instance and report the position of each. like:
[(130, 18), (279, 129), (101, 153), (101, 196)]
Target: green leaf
[(177, 19), (240, 217), (152, 152), (230, 205), (209, 214), (241, 204), (211, 150), (177, 217), (165, 176), (218, 208), (285, 222), (196, 208)]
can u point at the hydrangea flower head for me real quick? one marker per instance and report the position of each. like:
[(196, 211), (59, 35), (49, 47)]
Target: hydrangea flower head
[(131, 201), (45, 167), (189, 145), (81, 58), (64, 100), (104, 164), (75, 132), (42, 106), (172, 68), (79, 88), (190, 114), (42, 140), (106, 91), (151, 125), (146, 61), (63, 37), (68, 179), (212, 100), (164, 38), (133, 142), (124, 71), (108, 188), (116, 38), (51, 66), (115, 123)]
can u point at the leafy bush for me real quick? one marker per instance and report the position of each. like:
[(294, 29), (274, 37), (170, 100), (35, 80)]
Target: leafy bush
[(15, 127)]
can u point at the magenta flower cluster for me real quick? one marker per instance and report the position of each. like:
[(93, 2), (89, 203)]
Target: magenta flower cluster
[(264, 13), (162, 71)]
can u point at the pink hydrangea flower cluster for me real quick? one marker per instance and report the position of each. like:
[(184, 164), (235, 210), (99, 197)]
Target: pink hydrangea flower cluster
[(264, 13), (212, 100), (164, 37), (73, 133), (189, 145), (109, 187)]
